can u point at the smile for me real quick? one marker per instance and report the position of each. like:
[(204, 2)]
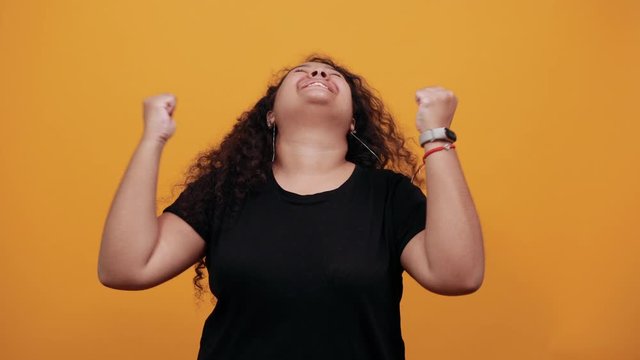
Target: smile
[(317, 84)]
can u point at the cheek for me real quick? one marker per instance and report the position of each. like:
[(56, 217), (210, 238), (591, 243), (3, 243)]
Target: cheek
[(285, 91), (345, 90)]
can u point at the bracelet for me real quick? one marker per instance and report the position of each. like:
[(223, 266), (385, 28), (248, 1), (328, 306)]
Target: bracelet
[(431, 151)]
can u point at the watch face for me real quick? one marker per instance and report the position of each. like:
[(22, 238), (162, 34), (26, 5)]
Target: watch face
[(450, 134)]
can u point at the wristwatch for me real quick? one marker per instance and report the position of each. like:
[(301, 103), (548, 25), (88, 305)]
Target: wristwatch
[(441, 133)]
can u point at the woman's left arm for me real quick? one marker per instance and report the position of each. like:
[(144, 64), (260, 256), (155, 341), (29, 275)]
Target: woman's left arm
[(453, 237)]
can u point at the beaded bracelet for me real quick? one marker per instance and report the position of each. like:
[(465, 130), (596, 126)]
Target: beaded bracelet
[(447, 147)]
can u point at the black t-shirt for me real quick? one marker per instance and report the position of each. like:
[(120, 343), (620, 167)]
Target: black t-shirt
[(312, 276)]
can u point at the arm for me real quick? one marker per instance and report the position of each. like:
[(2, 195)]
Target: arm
[(138, 249), (448, 256), (131, 228), (453, 237)]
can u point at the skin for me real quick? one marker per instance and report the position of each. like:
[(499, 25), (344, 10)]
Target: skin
[(313, 123), (139, 250), (447, 257)]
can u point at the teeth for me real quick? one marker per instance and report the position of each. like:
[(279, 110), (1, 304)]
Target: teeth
[(317, 84)]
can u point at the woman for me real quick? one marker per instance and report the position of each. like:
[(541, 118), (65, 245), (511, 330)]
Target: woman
[(300, 221)]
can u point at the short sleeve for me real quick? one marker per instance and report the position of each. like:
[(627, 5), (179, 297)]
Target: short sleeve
[(197, 212), (409, 211)]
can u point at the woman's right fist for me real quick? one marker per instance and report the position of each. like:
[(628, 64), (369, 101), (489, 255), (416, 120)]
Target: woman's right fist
[(158, 122)]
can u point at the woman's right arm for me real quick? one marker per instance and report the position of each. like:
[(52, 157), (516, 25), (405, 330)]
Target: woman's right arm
[(139, 250)]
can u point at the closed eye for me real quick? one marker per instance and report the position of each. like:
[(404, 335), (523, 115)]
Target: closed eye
[(336, 74)]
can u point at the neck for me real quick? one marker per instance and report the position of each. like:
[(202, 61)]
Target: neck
[(310, 151)]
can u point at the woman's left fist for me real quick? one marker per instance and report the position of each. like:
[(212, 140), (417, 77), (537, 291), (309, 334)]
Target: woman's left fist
[(436, 106)]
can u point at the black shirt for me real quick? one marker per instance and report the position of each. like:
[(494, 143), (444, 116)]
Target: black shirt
[(312, 276)]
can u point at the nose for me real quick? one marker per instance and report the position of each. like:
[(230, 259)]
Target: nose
[(322, 73)]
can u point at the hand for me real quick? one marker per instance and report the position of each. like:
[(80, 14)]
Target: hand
[(158, 122), (436, 106)]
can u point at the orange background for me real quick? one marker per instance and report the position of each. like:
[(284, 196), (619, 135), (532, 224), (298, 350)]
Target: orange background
[(547, 122)]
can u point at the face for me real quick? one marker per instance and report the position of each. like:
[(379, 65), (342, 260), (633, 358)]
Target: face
[(316, 87)]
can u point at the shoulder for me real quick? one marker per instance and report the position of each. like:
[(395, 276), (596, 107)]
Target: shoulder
[(388, 176), (395, 185), (380, 172)]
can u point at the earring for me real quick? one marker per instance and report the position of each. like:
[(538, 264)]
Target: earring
[(273, 142), (272, 126), (353, 133)]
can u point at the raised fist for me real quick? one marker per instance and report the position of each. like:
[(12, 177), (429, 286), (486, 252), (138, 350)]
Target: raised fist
[(436, 106), (158, 122)]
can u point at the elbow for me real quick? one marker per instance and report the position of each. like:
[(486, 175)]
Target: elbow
[(460, 286), (457, 289), (108, 280), (120, 284), (472, 279), (105, 276), (119, 281), (472, 284), (471, 287), (116, 275)]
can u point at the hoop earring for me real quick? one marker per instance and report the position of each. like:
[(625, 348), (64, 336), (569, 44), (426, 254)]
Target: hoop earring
[(273, 142), (353, 133)]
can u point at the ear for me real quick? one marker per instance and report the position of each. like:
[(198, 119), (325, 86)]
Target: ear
[(353, 124), (270, 117)]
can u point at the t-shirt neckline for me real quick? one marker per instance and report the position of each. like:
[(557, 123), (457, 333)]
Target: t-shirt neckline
[(311, 198)]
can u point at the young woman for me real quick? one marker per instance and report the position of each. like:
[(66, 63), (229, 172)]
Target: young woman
[(305, 217)]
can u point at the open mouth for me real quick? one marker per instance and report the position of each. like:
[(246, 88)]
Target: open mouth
[(316, 84)]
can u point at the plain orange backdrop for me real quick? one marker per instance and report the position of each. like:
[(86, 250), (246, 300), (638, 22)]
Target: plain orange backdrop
[(547, 124)]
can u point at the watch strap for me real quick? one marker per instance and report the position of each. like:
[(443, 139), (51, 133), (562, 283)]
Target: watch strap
[(434, 134)]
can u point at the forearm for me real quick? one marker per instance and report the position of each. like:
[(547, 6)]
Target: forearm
[(130, 230), (453, 244)]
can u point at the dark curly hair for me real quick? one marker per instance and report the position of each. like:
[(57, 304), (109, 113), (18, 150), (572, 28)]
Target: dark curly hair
[(225, 174)]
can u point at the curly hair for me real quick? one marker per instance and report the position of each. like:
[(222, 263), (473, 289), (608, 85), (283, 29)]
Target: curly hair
[(223, 175)]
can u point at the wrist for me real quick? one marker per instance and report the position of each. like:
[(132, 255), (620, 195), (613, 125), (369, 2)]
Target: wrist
[(437, 148), (436, 134), (424, 127), (152, 142), (433, 144)]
